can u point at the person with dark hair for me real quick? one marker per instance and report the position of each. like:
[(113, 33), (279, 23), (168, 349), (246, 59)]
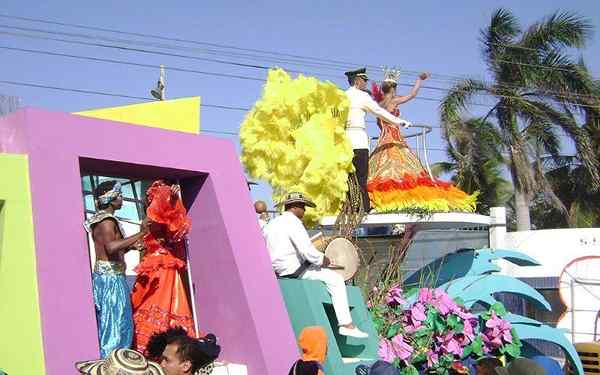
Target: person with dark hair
[(294, 256), (356, 130), (157, 343), (180, 354), (111, 292), (487, 366)]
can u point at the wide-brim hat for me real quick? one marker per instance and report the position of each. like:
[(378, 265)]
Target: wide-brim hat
[(120, 361), (362, 73), (296, 197)]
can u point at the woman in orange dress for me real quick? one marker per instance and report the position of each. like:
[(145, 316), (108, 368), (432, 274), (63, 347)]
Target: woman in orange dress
[(397, 179), (159, 297)]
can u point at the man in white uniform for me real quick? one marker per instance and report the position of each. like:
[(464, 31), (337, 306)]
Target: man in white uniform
[(294, 256), (356, 130)]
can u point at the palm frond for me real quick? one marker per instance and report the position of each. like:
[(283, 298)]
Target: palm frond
[(580, 137), (559, 30), (457, 99), (503, 28)]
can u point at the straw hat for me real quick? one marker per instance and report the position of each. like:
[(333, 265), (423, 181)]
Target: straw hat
[(120, 362), (296, 197)]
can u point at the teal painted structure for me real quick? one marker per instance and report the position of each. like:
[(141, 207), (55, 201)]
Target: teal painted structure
[(309, 304)]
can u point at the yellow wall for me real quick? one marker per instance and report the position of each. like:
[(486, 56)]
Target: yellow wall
[(19, 302), (178, 114)]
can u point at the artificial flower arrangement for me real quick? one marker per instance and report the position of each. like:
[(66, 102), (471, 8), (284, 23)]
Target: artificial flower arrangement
[(432, 332)]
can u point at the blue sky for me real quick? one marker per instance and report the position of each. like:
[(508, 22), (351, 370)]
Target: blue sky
[(437, 36)]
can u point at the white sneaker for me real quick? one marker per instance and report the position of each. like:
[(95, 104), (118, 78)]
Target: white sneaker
[(353, 332)]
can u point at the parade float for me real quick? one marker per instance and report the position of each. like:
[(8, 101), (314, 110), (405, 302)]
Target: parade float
[(293, 139)]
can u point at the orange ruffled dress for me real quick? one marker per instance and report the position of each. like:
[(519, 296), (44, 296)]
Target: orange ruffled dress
[(399, 182), (159, 298)]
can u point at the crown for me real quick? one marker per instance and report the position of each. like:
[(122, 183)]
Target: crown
[(391, 74)]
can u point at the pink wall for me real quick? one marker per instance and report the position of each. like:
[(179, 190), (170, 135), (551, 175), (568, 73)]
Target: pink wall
[(237, 296)]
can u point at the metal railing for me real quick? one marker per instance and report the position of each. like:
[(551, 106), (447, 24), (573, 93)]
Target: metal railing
[(420, 136)]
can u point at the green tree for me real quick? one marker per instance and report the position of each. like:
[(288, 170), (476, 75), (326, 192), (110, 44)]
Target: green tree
[(476, 163), (538, 91)]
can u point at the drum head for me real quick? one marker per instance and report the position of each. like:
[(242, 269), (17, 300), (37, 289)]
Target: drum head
[(342, 252)]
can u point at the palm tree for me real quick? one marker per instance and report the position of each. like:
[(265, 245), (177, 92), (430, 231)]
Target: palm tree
[(476, 163), (538, 91)]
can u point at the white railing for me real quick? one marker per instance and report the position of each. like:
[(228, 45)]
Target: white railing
[(420, 150)]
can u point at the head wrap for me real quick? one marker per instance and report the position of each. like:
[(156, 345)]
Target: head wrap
[(110, 195)]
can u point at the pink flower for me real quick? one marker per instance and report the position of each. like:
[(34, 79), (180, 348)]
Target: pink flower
[(403, 349), (464, 314), (497, 331), (389, 350), (385, 351), (432, 358), (417, 312), (394, 296), (443, 303), (449, 344), (468, 330), (425, 295)]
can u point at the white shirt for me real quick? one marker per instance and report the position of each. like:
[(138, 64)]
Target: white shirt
[(262, 222), (361, 103), (289, 244)]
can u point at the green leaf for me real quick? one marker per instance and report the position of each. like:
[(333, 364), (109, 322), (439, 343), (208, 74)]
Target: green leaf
[(392, 331), (499, 309), (420, 358), (467, 351), (409, 370), (477, 346), (453, 321), (425, 331), (410, 292), (513, 350)]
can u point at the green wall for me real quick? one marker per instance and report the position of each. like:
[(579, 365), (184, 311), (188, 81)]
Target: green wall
[(21, 347)]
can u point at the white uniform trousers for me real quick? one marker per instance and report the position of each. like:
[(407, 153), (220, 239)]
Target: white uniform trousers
[(336, 288)]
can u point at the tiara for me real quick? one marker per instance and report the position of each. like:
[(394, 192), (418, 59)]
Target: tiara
[(391, 74)]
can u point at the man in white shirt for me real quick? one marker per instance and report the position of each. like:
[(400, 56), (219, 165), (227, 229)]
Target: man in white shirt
[(356, 129), (294, 256)]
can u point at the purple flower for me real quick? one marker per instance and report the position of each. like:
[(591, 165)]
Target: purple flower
[(394, 296), (389, 350)]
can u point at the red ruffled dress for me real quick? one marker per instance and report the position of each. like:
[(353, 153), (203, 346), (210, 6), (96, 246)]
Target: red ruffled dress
[(159, 297)]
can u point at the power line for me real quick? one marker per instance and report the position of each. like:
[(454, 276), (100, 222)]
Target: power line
[(203, 72), (558, 94), (342, 64), (122, 62), (329, 63), (103, 93)]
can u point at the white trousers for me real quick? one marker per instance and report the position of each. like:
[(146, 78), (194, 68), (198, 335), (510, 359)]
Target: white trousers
[(336, 288)]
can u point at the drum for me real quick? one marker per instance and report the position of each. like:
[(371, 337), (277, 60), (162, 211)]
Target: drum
[(344, 255)]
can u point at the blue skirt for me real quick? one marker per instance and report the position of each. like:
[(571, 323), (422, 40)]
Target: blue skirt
[(113, 307)]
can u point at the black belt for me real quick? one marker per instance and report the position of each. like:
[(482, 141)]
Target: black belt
[(299, 272)]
